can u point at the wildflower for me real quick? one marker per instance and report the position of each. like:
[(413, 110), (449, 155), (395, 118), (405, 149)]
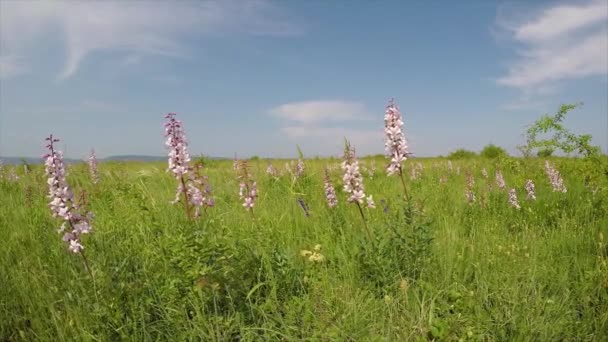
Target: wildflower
[(353, 181), (93, 167), (314, 256), (450, 167), (192, 185), (62, 204), (513, 199), (303, 206), (272, 171), (248, 191), (554, 177), (330, 191), (469, 194), (484, 173), (299, 168), (530, 190), (370, 202), (416, 171), (500, 181), (395, 143), (413, 173)]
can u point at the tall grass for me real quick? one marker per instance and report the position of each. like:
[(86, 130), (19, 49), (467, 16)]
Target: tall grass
[(438, 267)]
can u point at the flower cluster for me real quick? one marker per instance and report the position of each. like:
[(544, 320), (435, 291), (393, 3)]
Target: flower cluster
[(500, 181), (192, 185), (296, 168), (248, 190), (314, 255), (469, 193), (395, 143), (272, 171), (513, 199), (178, 146), (353, 181), (330, 191), (93, 167), (450, 167), (416, 171), (484, 173), (530, 190), (554, 177), (62, 202)]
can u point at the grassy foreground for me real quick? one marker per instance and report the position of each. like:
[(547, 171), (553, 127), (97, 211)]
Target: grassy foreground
[(438, 268)]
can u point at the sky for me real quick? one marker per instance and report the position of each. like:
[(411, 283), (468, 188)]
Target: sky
[(261, 77)]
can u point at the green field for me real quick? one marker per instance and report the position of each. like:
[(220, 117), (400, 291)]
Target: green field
[(437, 267)]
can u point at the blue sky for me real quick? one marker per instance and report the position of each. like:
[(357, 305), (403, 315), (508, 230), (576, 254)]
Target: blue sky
[(260, 77)]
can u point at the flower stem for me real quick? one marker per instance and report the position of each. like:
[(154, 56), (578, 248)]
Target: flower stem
[(186, 199), (407, 196), (86, 265), (369, 234)]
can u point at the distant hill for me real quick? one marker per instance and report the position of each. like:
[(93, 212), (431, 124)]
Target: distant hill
[(134, 157)]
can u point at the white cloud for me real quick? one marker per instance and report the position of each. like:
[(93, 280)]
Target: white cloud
[(312, 112), (311, 124), (559, 43), (135, 27)]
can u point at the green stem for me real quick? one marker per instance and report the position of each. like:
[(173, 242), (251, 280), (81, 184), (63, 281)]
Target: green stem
[(369, 234)]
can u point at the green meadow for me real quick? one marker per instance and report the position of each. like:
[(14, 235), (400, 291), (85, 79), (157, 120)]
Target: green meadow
[(431, 267)]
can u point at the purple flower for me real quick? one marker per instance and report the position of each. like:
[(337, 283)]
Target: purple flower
[(530, 190), (93, 167), (500, 181), (62, 202), (513, 199), (469, 193), (330, 191), (177, 145), (554, 178), (370, 202), (248, 190), (353, 181), (484, 173), (395, 143), (192, 184), (272, 171)]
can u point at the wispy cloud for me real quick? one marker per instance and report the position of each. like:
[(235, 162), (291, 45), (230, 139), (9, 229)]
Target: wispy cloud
[(312, 112), (135, 28), (322, 125), (557, 43)]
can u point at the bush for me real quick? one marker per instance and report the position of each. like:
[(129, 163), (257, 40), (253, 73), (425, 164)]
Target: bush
[(544, 153), (462, 154), (492, 151)]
